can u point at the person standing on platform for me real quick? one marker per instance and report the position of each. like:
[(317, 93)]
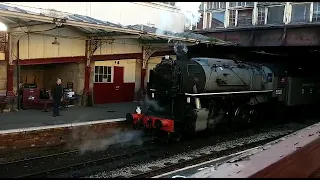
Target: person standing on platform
[(57, 92)]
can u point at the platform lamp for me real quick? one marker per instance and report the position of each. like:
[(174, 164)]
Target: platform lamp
[(55, 42), (3, 27)]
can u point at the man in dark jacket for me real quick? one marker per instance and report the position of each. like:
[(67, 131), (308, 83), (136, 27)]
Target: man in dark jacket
[(56, 93)]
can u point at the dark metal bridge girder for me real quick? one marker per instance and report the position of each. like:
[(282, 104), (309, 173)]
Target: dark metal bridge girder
[(281, 36)]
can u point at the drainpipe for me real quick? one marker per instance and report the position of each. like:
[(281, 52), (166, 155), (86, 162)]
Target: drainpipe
[(18, 72)]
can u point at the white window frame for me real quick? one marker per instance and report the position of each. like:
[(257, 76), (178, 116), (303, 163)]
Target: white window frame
[(212, 6), (265, 15), (103, 73), (267, 10), (218, 11), (310, 10), (242, 10), (245, 5), (235, 18), (209, 5)]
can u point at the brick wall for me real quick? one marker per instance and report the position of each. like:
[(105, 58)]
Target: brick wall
[(69, 136)]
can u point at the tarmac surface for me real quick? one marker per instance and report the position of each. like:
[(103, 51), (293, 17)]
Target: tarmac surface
[(37, 118)]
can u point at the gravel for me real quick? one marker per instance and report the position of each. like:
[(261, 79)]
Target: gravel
[(146, 166)]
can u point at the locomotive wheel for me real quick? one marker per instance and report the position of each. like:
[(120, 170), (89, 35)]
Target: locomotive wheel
[(240, 114), (175, 137), (135, 126), (246, 114), (190, 121), (253, 116)]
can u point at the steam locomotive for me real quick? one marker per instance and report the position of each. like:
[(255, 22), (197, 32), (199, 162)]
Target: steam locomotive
[(191, 95)]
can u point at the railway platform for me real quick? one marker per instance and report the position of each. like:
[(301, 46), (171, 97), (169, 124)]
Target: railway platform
[(34, 128)]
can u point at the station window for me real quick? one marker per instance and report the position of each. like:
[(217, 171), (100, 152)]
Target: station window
[(102, 74), (232, 4), (208, 20), (245, 17), (232, 18), (217, 19), (300, 12), (216, 5), (200, 22), (316, 12), (201, 6), (261, 15), (275, 15), (241, 4), (209, 5)]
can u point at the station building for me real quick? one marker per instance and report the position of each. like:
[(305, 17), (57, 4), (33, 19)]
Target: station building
[(102, 61)]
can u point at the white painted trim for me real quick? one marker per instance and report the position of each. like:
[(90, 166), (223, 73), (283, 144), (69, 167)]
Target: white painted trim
[(266, 15), (226, 93), (59, 126), (226, 16), (287, 13), (236, 19), (204, 24), (255, 14), (210, 19), (311, 12)]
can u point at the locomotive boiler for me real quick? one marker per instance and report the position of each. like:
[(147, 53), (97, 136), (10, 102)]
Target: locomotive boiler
[(190, 95)]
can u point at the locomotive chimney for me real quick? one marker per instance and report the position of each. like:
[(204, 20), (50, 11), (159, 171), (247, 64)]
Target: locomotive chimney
[(181, 52)]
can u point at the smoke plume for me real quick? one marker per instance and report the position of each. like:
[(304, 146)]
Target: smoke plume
[(180, 48), (165, 22), (191, 12), (88, 138), (119, 136)]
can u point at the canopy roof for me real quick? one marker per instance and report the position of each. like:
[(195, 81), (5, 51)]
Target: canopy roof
[(18, 16)]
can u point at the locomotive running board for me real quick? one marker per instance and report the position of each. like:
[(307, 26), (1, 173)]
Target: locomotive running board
[(229, 93)]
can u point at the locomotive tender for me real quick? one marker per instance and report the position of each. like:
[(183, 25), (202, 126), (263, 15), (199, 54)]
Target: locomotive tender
[(186, 96)]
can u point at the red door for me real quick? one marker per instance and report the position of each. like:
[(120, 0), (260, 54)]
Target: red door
[(117, 94)]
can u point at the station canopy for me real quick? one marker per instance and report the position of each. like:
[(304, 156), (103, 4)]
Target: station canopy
[(15, 16)]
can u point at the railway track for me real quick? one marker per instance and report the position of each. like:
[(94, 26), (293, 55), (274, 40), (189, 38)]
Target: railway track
[(81, 166), (203, 158), (210, 149), (230, 157), (62, 169)]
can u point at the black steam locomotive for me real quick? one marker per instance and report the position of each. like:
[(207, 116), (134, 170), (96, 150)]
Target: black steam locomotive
[(190, 95)]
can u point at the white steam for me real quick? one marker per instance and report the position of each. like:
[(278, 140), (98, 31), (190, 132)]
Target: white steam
[(94, 142), (191, 12), (151, 104), (165, 22)]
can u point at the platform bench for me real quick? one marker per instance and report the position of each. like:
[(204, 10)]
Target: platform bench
[(42, 104)]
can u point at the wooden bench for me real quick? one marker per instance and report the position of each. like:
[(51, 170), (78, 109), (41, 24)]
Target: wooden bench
[(42, 104), (45, 104)]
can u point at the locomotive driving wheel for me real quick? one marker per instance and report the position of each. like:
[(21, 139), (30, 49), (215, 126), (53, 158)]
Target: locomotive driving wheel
[(190, 121), (242, 114), (246, 114)]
